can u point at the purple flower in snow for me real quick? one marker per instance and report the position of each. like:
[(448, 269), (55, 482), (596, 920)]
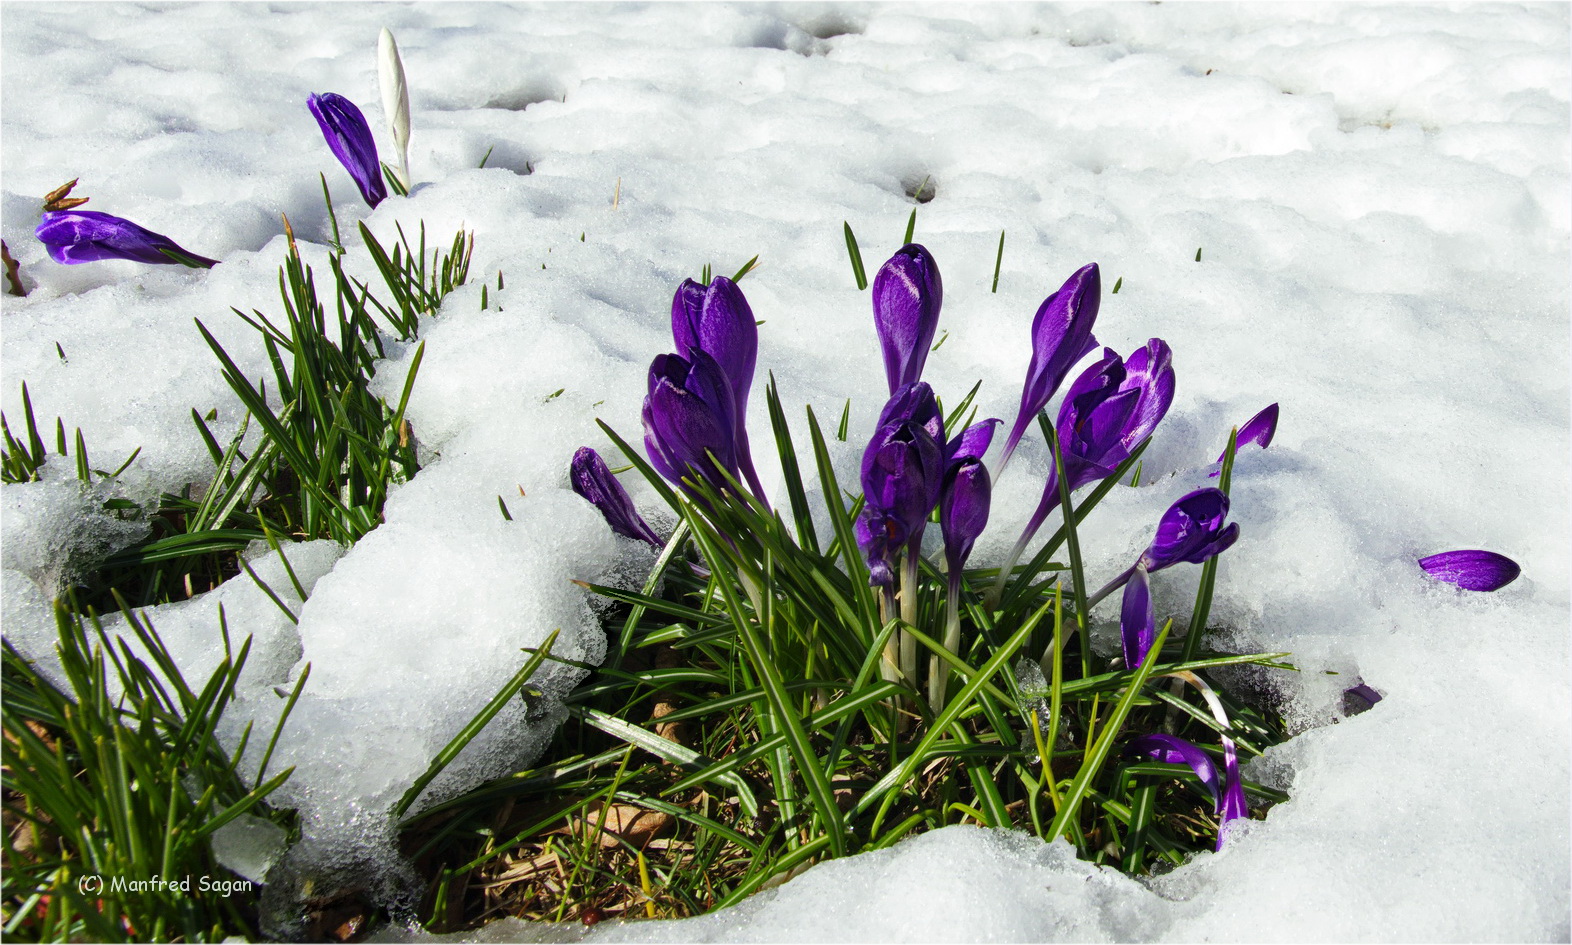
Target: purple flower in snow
[(1472, 570), (963, 511), (689, 419), (1137, 620), (717, 320), (1061, 336), (592, 480), (1191, 530), (1258, 430), (349, 137), (1108, 411), (79, 236), (907, 292), (902, 470)]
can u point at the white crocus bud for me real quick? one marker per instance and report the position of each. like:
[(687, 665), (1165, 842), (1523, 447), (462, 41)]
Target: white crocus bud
[(395, 98)]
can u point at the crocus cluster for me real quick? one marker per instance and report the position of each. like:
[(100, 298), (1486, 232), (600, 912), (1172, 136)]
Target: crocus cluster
[(914, 469)]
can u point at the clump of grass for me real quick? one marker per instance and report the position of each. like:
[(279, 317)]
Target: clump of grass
[(328, 451), (114, 784), (119, 773)]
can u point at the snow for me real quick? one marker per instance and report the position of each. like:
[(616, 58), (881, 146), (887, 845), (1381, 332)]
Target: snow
[(1382, 199)]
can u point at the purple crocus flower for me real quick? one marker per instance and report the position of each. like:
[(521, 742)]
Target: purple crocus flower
[(1137, 620), (1061, 336), (79, 236), (1191, 530), (907, 292), (1258, 430), (688, 416), (591, 479), (349, 137), (1472, 570), (1173, 750), (717, 320), (902, 471), (963, 511), (1114, 405)]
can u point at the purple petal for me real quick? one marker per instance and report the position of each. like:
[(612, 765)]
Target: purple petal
[(907, 293), (963, 510), (349, 137), (1258, 430), (914, 402), (688, 415), (1150, 371), (873, 537), (1137, 620), (1472, 570), (1233, 805), (1061, 336), (974, 440), (78, 236), (902, 470), (1172, 750), (1360, 698), (591, 479)]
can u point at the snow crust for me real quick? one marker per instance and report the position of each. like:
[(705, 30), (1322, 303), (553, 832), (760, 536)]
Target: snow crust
[(1381, 196)]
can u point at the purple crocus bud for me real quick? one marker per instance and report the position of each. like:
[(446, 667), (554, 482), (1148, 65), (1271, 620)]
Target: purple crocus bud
[(1258, 430), (591, 479), (716, 319), (1472, 570), (1191, 530), (349, 136), (1173, 750), (1061, 336), (79, 236), (972, 442), (902, 470), (907, 292), (1137, 620), (914, 402), (689, 415), (963, 509)]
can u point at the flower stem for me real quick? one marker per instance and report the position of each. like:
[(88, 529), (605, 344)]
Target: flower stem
[(1110, 587), (938, 673), (909, 614)]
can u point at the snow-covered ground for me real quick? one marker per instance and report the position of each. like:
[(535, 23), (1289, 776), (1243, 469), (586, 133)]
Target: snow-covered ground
[(1381, 195)]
